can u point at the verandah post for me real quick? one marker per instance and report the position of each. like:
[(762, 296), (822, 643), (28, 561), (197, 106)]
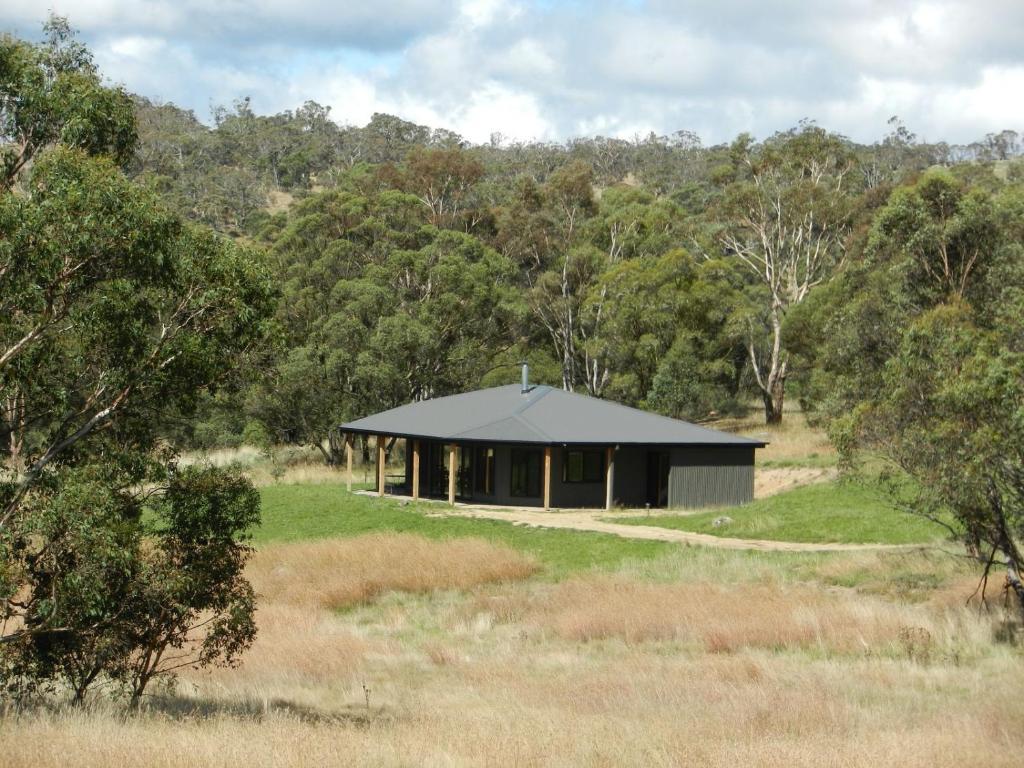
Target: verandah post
[(452, 468), (547, 477), (609, 477), (415, 469), (348, 460)]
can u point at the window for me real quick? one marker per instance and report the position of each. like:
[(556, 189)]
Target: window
[(583, 467), (525, 473), (483, 481)]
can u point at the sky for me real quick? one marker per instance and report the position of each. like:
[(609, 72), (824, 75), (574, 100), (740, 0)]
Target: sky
[(554, 69)]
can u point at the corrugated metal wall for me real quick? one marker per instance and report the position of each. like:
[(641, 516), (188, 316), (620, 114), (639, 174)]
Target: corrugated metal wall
[(710, 477)]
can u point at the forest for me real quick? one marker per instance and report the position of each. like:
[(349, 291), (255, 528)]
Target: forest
[(658, 272)]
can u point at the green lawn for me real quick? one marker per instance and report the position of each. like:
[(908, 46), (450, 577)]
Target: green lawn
[(839, 511), (296, 512)]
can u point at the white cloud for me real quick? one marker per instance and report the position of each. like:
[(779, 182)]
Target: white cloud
[(950, 68)]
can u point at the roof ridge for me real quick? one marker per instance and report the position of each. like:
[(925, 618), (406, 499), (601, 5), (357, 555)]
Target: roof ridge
[(530, 403), (514, 415), (533, 427), (489, 422)]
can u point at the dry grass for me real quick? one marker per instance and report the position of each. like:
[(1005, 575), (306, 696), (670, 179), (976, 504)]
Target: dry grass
[(282, 464), (303, 641), (628, 710), (308, 473), (719, 619), (771, 480), (340, 573), (469, 667), (792, 442)]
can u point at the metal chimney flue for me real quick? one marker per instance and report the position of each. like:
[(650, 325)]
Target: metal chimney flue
[(526, 378)]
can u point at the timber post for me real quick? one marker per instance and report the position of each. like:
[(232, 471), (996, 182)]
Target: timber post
[(415, 469), (609, 478), (452, 469), (348, 460), (547, 477), (381, 462)]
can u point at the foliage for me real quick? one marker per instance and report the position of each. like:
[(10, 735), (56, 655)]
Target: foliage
[(190, 605), (921, 360), (784, 215), (379, 308), (112, 601), (115, 317), (51, 94)]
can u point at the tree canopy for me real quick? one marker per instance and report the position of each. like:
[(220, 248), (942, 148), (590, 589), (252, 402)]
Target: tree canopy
[(115, 317)]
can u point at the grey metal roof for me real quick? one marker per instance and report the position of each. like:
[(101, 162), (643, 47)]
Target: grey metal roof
[(543, 415)]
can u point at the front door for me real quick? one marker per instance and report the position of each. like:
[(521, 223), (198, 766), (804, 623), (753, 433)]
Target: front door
[(657, 478)]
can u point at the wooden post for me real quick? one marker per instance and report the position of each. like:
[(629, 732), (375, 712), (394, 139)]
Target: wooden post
[(381, 461), (609, 478), (547, 477), (453, 453), (348, 460), (415, 469)]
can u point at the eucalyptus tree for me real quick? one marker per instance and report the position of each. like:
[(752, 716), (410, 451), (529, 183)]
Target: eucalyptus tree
[(785, 215), (920, 361), (113, 314), (51, 94), (443, 180), (380, 307)]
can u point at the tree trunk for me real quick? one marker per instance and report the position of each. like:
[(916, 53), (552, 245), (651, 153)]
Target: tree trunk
[(774, 396), (772, 382)]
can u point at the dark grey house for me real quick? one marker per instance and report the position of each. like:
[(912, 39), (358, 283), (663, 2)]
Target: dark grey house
[(527, 445)]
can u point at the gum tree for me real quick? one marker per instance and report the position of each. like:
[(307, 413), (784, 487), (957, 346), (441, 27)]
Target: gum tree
[(786, 213)]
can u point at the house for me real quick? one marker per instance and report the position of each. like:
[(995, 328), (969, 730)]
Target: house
[(524, 445)]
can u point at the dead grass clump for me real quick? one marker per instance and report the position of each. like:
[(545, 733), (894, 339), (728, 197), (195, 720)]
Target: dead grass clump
[(440, 655), (501, 609), (917, 644), (340, 573), (722, 620), (294, 646)]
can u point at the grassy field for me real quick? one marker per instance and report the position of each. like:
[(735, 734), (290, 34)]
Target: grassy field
[(391, 638), (839, 511), (303, 512), (396, 649)]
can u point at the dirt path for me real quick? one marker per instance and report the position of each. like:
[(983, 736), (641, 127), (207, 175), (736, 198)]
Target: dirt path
[(590, 521)]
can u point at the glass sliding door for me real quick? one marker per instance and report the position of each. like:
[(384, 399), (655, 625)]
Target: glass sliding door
[(526, 473)]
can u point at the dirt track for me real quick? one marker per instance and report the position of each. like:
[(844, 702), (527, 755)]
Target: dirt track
[(590, 521), (767, 483)]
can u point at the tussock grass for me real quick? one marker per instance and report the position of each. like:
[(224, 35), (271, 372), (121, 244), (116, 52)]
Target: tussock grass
[(339, 573), (296, 648), (717, 618), (630, 709)]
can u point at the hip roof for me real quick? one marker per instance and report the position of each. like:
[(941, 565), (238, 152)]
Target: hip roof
[(542, 415)]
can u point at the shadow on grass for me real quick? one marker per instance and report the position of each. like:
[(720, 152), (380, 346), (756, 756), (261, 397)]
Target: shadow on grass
[(188, 709), (184, 708)]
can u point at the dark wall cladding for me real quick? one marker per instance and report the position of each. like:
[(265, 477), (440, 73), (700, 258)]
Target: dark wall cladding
[(710, 477), (697, 477)]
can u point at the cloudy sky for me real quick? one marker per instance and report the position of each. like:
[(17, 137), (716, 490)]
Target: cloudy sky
[(551, 69)]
